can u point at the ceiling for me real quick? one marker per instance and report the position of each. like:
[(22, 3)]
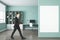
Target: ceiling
[(20, 2)]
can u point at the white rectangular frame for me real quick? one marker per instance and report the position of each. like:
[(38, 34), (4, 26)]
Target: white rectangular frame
[(49, 18)]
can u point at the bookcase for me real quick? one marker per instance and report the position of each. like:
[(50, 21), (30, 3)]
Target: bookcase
[(10, 16)]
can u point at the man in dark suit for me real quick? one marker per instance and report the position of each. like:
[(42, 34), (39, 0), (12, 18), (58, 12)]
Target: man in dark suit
[(16, 26)]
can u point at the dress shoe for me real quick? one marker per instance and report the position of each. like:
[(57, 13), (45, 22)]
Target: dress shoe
[(23, 38), (12, 37)]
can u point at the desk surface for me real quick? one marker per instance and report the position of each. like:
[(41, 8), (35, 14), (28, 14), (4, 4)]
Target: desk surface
[(27, 26)]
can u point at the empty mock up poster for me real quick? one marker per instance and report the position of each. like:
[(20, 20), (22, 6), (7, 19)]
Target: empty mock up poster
[(49, 19)]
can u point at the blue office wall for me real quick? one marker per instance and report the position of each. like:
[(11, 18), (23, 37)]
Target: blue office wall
[(48, 2), (30, 12)]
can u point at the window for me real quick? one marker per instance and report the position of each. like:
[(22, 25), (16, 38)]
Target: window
[(2, 17), (2, 13)]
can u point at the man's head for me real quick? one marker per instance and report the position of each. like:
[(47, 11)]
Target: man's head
[(17, 15)]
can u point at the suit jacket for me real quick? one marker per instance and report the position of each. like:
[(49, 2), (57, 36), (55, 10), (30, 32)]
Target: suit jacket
[(17, 22)]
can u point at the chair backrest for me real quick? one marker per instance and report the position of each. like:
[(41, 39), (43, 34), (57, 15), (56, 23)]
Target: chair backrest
[(32, 21)]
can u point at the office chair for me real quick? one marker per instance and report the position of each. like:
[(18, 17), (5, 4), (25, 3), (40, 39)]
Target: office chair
[(31, 23)]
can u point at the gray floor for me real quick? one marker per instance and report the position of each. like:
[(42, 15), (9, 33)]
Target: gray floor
[(29, 34)]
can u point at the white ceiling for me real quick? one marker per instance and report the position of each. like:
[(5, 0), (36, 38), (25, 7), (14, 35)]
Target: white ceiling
[(21, 2)]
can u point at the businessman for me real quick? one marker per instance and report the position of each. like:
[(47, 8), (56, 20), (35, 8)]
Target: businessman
[(16, 26)]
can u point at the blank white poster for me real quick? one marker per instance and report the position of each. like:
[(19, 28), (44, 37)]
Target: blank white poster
[(49, 18)]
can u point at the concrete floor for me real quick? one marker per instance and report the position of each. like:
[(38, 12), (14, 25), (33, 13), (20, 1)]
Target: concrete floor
[(29, 34)]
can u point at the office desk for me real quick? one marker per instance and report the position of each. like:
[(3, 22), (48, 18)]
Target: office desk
[(28, 27)]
